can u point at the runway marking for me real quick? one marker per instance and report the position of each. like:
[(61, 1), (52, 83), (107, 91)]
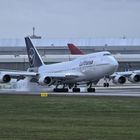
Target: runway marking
[(130, 92)]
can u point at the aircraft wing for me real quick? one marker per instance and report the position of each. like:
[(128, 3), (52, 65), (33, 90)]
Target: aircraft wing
[(6, 76), (125, 73), (121, 77)]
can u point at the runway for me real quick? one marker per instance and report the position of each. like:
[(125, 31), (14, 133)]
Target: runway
[(129, 91)]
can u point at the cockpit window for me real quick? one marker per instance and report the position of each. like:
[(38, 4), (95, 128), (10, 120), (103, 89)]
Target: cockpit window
[(107, 54)]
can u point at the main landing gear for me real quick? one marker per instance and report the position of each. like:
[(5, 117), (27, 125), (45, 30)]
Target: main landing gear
[(63, 89), (60, 89), (90, 89), (74, 88)]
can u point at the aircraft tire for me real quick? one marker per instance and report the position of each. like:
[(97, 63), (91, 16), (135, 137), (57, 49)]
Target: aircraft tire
[(60, 90), (106, 84), (76, 89), (90, 89)]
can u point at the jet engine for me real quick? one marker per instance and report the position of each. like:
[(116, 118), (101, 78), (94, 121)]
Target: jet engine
[(119, 79), (134, 78), (45, 80), (4, 78)]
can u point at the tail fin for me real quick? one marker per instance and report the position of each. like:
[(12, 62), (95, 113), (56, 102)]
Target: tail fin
[(33, 55), (74, 50)]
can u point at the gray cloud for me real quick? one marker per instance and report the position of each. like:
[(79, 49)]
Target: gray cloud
[(70, 18)]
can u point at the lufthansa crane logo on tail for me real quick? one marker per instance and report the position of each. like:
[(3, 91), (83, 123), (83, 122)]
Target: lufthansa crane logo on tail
[(31, 57)]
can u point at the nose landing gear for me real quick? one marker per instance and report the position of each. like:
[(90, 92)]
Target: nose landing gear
[(105, 84)]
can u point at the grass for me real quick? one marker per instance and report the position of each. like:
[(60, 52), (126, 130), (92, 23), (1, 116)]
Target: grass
[(69, 118)]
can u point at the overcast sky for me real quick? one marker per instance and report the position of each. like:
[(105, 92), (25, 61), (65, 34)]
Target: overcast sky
[(70, 18)]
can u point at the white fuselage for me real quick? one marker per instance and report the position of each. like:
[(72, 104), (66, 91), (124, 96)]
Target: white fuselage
[(92, 67)]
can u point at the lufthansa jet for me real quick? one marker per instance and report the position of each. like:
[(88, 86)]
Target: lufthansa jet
[(85, 69)]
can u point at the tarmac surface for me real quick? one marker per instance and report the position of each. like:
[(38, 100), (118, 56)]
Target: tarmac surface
[(130, 91)]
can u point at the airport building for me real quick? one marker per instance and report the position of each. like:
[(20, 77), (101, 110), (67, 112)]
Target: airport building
[(13, 51)]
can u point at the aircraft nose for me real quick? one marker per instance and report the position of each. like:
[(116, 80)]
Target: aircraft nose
[(114, 64)]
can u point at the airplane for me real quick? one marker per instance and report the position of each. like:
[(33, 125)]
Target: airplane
[(85, 69), (117, 77)]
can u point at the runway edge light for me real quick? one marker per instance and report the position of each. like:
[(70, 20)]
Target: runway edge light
[(44, 94)]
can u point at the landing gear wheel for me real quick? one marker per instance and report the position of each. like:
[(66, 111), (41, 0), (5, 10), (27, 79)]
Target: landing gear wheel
[(90, 89), (76, 89), (106, 84), (60, 90)]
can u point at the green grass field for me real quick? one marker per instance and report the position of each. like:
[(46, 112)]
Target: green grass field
[(69, 118)]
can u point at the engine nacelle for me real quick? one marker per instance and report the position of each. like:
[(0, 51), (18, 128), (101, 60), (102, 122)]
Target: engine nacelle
[(134, 78), (119, 79), (4, 78), (45, 80)]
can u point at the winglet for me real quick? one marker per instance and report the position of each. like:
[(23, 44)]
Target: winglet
[(33, 55), (74, 50)]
